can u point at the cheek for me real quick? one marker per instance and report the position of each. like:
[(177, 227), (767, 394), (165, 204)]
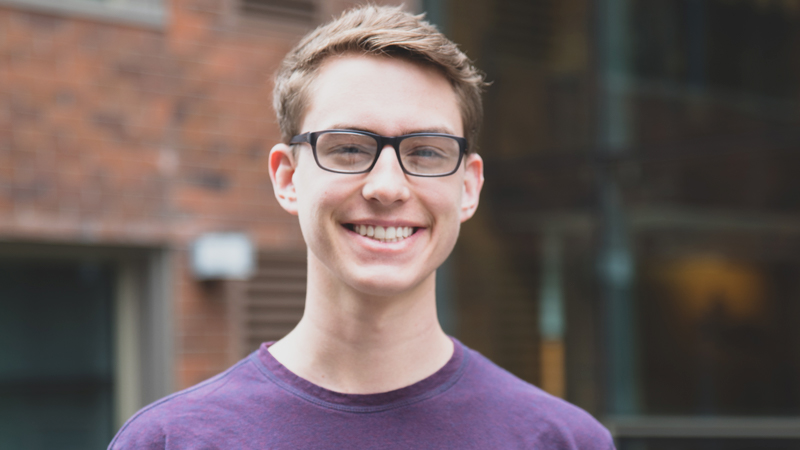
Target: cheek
[(319, 198), (446, 201)]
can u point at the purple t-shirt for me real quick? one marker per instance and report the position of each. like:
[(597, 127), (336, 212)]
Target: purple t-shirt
[(470, 403)]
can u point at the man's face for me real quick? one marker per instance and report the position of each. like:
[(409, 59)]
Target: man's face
[(389, 97)]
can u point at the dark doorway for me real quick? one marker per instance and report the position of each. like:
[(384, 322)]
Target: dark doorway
[(56, 365)]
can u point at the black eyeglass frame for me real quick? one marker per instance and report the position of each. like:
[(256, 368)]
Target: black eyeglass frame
[(312, 136)]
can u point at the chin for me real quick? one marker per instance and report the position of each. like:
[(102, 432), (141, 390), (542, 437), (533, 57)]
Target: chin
[(380, 285)]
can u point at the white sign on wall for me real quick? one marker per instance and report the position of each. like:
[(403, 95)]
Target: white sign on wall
[(222, 256)]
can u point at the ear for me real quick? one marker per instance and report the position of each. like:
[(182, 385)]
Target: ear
[(473, 183), (281, 172)]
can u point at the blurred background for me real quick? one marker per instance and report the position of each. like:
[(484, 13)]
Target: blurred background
[(637, 249)]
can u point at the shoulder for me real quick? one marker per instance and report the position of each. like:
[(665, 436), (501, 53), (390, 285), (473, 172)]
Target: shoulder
[(520, 407), (185, 414)]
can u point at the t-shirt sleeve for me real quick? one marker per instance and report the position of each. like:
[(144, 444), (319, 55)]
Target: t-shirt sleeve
[(592, 435), (140, 433), (573, 428)]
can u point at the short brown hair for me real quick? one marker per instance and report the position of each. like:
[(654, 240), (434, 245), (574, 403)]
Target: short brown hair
[(376, 30)]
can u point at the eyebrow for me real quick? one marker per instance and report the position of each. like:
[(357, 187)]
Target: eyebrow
[(442, 130)]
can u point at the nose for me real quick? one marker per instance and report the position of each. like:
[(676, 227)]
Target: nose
[(386, 182)]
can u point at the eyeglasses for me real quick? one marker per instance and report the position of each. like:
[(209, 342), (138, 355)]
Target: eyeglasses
[(419, 154)]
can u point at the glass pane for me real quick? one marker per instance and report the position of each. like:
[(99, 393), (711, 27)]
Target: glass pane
[(55, 355)]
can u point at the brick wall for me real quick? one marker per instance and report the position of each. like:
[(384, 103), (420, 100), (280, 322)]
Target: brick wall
[(139, 136)]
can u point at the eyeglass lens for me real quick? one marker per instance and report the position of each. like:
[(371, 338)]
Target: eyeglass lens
[(354, 152)]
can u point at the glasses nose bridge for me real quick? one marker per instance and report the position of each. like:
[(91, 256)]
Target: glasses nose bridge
[(389, 141), (392, 141)]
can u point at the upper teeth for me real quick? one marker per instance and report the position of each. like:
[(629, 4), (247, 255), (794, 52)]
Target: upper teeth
[(388, 234)]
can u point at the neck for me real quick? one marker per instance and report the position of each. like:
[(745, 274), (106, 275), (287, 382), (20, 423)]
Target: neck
[(357, 343)]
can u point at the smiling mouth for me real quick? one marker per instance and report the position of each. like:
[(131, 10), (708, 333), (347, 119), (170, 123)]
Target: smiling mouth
[(382, 234)]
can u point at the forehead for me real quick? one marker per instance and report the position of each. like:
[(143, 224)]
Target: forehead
[(385, 95)]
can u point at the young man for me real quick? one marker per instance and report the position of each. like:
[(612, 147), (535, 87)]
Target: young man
[(378, 113)]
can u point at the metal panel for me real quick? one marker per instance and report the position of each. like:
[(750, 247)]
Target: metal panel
[(298, 10), (271, 303), (146, 13)]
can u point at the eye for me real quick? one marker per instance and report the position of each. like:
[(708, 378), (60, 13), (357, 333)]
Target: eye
[(345, 156), (426, 153), (347, 149), (344, 150)]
